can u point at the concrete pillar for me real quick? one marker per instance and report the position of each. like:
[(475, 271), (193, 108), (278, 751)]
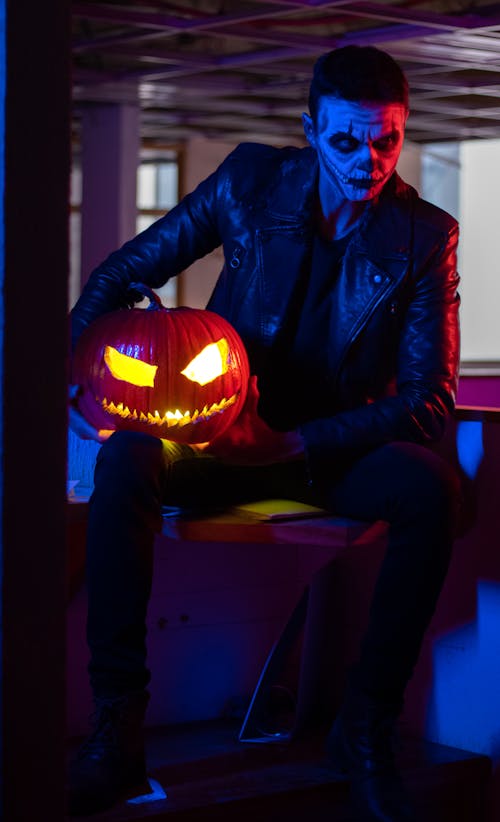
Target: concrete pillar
[(33, 412), (110, 156)]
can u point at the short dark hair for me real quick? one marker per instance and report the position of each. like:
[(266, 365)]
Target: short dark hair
[(357, 73)]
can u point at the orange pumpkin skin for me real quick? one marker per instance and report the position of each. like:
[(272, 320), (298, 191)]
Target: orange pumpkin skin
[(174, 406)]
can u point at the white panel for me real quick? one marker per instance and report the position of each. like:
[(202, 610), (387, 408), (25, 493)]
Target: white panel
[(480, 266)]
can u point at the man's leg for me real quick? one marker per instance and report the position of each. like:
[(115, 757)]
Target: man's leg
[(135, 474), (124, 514), (418, 494)]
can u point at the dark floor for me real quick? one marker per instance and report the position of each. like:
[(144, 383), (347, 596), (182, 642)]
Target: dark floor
[(207, 774)]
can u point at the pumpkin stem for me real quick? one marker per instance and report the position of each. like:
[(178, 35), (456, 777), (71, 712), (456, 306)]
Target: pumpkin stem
[(154, 301)]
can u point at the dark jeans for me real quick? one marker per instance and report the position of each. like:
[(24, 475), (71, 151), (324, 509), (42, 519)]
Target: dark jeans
[(407, 485)]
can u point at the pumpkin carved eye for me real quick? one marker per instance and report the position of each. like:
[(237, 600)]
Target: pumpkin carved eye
[(209, 364), (129, 369)]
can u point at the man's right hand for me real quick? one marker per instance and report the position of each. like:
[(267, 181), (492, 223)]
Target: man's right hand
[(250, 441), (79, 424)]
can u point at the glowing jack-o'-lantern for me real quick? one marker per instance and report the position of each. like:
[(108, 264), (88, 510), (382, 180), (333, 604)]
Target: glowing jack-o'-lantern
[(179, 373)]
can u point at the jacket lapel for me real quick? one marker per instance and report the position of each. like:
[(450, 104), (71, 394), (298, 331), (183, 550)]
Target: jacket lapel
[(361, 287), (283, 249), (376, 261)]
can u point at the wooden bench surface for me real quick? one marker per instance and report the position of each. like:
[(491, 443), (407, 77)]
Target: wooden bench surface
[(227, 526), (326, 530)]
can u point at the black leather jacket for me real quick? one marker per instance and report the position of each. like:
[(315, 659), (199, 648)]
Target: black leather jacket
[(394, 349)]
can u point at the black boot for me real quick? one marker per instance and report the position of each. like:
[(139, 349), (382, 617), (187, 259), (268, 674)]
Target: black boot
[(360, 744), (111, 762)]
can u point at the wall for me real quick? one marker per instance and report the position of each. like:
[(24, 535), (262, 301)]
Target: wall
[(463, 178), (410, 164), (479, 391), (201, 158), (480, 288)]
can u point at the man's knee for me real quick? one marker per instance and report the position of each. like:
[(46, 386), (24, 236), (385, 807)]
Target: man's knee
[(428, 487), (129, 454)]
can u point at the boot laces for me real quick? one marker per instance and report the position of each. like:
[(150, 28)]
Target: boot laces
[(105, 735)]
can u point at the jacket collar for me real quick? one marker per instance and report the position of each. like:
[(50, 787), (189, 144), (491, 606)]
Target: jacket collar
[(386, 229), (289, 196)]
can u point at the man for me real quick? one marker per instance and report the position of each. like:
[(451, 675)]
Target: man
[(342, 283)]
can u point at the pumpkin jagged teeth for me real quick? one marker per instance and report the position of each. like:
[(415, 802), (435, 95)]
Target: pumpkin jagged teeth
[(170, 418)]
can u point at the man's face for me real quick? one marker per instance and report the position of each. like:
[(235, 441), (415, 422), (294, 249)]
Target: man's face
[(358, 145)]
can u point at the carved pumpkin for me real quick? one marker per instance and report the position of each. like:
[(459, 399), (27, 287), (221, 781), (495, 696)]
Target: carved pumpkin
[(179, 373)]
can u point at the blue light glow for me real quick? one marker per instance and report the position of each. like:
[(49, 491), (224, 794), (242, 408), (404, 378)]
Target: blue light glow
[(156, 794), (469, 438), (463, 710)]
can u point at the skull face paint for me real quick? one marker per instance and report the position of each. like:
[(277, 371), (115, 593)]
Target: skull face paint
[(358, 146)]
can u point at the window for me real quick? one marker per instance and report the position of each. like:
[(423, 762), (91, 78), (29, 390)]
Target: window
[(75, 234), (157, 193), (157, 190)]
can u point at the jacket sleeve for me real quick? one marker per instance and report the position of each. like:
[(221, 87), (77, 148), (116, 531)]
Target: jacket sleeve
[(163, 250), (427, 372)]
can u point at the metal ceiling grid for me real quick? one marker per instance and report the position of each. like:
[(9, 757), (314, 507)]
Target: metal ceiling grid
[(241, 70)]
